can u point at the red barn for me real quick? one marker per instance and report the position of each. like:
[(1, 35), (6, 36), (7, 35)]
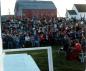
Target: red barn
[(35, 8)]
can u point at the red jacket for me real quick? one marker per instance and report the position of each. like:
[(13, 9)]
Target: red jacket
[(77, 47)]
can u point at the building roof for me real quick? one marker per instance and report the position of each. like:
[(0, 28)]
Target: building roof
[(35, 5), (81, 7), (72, 12)]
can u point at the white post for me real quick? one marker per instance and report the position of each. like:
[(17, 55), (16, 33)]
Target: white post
[(1, 62), (50, 59)]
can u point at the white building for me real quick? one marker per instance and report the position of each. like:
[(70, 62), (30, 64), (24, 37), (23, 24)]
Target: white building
[(80, 10), (71, 14)]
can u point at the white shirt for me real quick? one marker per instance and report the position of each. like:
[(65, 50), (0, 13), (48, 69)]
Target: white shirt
[(27, 38)]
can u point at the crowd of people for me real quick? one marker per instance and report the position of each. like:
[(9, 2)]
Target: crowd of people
[(36, 32)]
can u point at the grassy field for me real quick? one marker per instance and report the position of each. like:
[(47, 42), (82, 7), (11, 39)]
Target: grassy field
[(59, 61)]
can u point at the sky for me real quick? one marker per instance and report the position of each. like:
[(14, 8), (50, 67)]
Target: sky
[(7, 6)]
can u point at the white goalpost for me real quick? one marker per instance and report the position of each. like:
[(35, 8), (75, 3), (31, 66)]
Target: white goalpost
[(49, 52), (1, 56)]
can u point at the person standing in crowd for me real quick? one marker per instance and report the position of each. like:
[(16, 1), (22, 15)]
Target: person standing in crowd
[(83, 43), (27, 40), (66, 44), (16, 40), (42, 39), (9, 41), (33, 40), (22, 40), (37, 40)]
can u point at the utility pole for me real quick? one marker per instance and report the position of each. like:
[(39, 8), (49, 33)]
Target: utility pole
[(9, 11), (58, 14)]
